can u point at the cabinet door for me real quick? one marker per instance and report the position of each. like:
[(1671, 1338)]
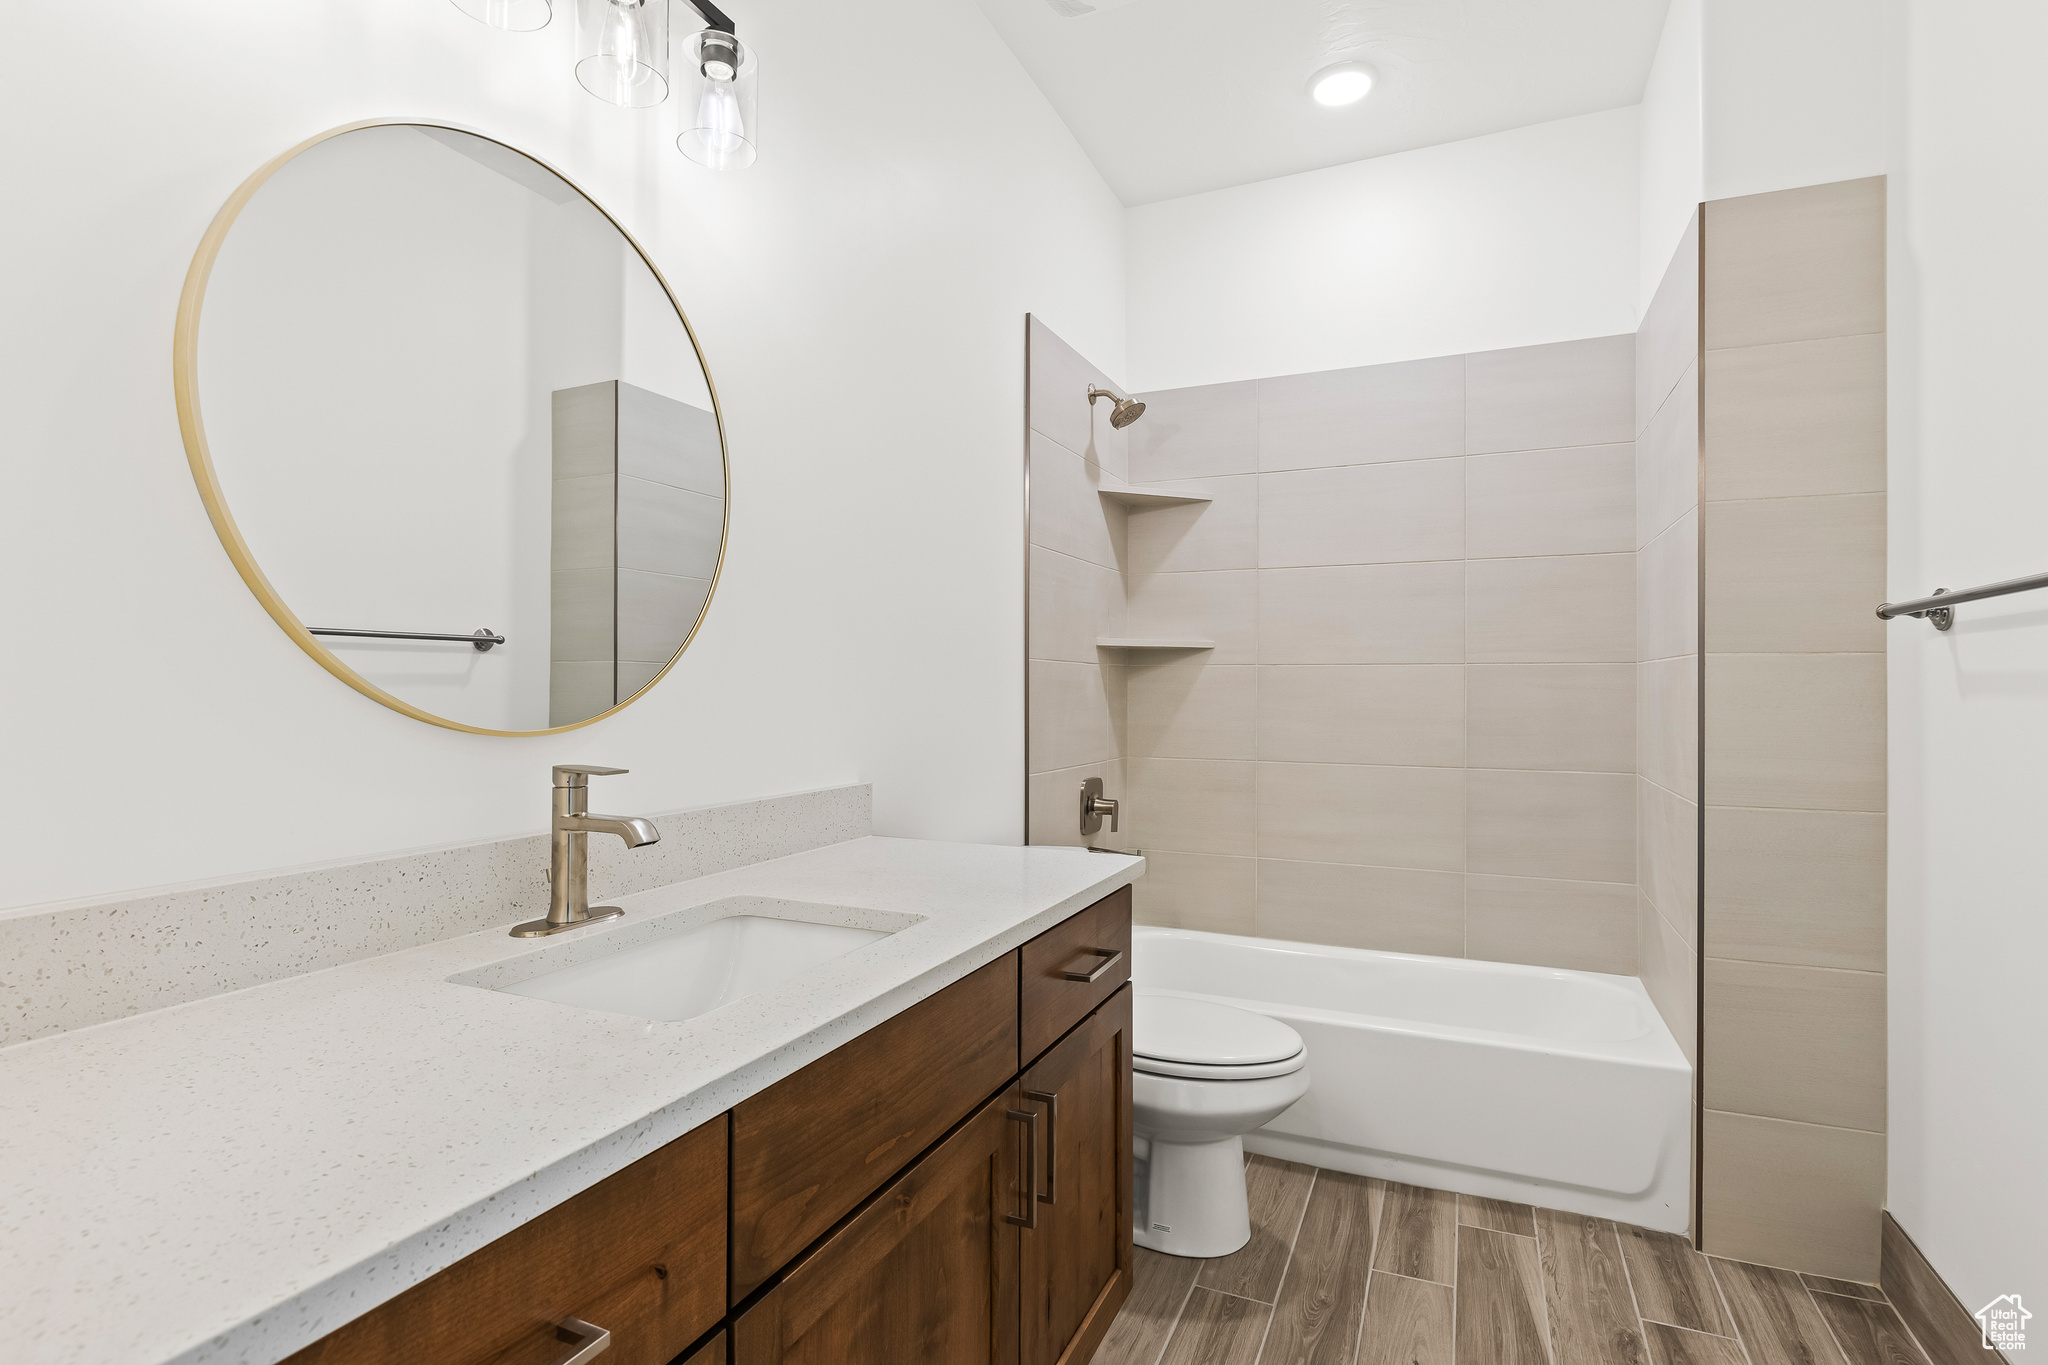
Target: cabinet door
[(926, 1274), (1075, 1266)]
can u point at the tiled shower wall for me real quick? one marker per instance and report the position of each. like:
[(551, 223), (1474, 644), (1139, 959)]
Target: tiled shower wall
[(1793, 1004), (1075, 711), (1668, 643), (1415, 730)]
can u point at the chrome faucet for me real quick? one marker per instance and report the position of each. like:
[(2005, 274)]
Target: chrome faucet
[(569, 904)]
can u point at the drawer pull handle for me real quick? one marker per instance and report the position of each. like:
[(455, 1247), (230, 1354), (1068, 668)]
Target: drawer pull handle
[(1051, 1100), (588, 1340), (1110, 957), (1029, 1218)]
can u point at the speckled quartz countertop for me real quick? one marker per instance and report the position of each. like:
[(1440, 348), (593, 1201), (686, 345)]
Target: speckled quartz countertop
[(230, 1179)]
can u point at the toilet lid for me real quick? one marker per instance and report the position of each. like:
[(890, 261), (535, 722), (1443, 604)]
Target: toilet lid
[(1168, 1028)]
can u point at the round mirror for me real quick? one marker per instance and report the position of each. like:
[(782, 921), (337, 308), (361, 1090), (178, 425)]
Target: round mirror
[(453, 428)]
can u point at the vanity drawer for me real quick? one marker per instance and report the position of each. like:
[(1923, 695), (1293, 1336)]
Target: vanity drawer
[(813, 1145), (1051, 999), (641, 1254)]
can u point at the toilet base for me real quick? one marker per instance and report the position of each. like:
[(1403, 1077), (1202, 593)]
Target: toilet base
[(1190, 1197)]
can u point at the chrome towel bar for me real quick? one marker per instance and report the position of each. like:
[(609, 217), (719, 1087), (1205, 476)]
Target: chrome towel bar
[(1940, 608), (482, 640)]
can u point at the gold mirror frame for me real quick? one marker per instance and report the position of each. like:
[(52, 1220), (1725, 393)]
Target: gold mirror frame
[(185, 382)]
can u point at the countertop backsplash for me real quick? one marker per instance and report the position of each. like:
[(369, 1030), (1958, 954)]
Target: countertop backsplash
[(68, 966)]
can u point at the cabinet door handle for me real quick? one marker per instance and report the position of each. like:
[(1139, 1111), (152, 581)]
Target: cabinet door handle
[(1110, 957), (1051, 1100), (1029, 1218), (587, 1340)]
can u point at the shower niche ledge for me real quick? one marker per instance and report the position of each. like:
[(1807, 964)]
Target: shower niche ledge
[(1151, 497), (1144, 642)]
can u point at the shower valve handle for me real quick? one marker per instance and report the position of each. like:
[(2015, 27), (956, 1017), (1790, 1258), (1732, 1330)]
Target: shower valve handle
[(1094, 805)]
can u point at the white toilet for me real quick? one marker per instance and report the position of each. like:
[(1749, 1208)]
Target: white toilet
[(1205, 1075)]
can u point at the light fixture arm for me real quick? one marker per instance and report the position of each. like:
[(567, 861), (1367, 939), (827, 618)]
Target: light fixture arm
[(713, 16)]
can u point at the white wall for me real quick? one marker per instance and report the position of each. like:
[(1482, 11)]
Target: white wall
[(1969, 709), (861, 296), (1507, 240), (1798, 93), (1673, 148)]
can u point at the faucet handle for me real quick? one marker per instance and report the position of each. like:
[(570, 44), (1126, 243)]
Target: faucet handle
[(579, 774)]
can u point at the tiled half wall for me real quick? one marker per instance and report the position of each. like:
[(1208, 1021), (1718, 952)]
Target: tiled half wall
[(1416, 727)]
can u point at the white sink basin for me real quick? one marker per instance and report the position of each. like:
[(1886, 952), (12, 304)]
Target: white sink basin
[(671, 972)]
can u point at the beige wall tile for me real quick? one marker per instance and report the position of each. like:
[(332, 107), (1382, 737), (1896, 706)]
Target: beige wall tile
[(1568, 393), (1411, 410), (1575, 609), (1221, 534), (1795, 1195), (1197, 891), (1363, 614), (1575, 501), (1196, 433), (656, 612), (1581, 926), (1798, 419), (1054, 816), (1341, 813), (1077, 715), (1220, 606), (580, 688), (1073, 604), (1395, 910), (1668, 341), (664, 529), (1668, 855), (1805, 731), (1059, 406), (1795, 264), (1668, 460), (1579, 717), (1799, 1043), (1193, 709), (1362, 514), (1668, 592), (1668, 723), (1797, 886), (1796, 575), (1184, 805), (1571, 826), (1066, 512), (1410, 715), (583, 530), (583, 624), (1670, 973)]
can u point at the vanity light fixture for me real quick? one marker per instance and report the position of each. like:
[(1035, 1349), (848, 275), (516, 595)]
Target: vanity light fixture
[(1341, 83), (622, 58), (622, 51)]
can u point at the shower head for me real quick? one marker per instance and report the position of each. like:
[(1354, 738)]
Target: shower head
[(1123, 411)]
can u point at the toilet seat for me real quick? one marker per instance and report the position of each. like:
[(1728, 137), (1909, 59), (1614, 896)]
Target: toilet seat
[(1203, 1040)]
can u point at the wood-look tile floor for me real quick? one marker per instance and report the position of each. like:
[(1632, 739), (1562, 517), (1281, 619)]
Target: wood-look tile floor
[(1345, 1270)]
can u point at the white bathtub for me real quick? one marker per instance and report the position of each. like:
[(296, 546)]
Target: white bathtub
[(1556, 1088)]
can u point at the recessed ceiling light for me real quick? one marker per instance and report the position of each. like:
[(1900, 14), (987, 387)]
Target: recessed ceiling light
[(1340, 84)]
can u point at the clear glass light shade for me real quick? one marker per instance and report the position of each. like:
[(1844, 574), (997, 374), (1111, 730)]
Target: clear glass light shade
[(718, 81), (622, 50), (514, 16)]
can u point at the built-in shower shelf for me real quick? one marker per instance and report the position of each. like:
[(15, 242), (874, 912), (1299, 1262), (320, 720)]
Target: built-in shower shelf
[(1151, 497), (1168, 642)]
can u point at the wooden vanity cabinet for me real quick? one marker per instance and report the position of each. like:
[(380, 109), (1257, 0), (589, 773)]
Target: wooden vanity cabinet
[(925, 1273), (1076, 1265), (640, 1253)]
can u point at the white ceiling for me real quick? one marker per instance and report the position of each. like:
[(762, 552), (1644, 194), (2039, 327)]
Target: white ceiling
[(1173, 97)]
